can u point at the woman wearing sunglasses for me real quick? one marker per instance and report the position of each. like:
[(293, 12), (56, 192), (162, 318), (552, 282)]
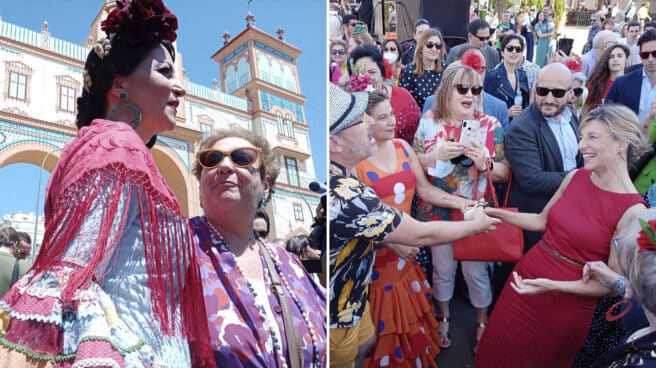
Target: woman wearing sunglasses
[(508, 82), (611, 65), (453, 167), (398, 282), (368, 59), (248, 326), (579, 93), (422, 77), (543, 314), (338, 54)]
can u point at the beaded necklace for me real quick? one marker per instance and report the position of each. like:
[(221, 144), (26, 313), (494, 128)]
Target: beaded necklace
[(316, 362)]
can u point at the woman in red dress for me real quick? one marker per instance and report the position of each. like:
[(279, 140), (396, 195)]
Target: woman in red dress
[(400, 296), (549, 326), (368, 59)]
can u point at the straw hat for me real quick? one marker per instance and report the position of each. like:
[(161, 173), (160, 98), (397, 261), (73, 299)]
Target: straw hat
[(345, 108)]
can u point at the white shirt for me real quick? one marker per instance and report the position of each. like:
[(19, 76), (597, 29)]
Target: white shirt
[(647, 96), (567, 142)]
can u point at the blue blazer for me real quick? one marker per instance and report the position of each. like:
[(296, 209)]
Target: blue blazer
[(626, 90), (497, 84)]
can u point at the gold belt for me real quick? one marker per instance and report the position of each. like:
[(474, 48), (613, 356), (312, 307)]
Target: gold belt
[(560, 256)]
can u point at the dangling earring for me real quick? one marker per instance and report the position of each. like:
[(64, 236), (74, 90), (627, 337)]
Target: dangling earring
[(113, 115), (263, 202)]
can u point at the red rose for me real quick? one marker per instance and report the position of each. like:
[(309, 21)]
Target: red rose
[(473, 60), (140, 21)]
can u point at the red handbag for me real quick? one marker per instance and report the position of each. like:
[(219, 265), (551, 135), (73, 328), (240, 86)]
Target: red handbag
[(505, 244)]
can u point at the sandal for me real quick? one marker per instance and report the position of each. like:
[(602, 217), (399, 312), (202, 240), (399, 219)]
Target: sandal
[(480, 329), (443, 331)]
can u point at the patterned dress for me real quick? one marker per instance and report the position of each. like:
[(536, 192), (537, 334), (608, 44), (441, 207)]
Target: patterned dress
[(400, 297), (241, 333), (420, 86)]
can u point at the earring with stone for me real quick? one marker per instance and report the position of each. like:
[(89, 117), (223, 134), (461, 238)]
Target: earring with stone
[(124, 105)]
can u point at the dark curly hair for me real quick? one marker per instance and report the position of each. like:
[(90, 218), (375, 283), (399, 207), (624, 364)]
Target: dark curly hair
[(366, 51), (122, 60), (601, 74)]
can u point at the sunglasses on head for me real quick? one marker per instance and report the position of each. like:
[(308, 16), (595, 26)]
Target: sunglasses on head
[(645, 54), (430, 45), (240, 156), (338, 52), (389, 49), (463, 88), (556, 92), (578, 91), (516, 49)]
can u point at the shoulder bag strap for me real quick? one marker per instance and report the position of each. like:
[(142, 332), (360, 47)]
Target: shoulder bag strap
[(14, 273), (293, 344)]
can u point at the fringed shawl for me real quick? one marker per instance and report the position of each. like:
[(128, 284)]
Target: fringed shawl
[(113, 150)]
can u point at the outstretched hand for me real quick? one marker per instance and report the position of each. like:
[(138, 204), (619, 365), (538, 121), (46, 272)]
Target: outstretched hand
[(530, 286)]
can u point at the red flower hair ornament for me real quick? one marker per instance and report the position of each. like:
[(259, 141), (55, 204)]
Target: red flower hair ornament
[(141, 21), (473, 60), (647, 237)]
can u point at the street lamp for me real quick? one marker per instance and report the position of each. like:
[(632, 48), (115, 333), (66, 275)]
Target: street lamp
[(38, 200)]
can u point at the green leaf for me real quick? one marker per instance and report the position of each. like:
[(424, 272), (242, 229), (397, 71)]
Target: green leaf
[(649, 231)]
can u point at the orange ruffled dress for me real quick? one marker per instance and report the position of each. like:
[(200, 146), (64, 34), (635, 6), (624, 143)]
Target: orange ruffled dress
[(400, 297)]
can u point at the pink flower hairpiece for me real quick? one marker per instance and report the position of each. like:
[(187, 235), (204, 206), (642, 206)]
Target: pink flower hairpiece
[(647, 237), (359, 83), (473, 60), (141, 21)]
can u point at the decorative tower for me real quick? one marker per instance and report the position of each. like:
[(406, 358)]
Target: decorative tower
[(261, 68)]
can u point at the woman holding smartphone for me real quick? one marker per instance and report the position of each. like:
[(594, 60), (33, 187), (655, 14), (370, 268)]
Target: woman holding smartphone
[(453, 167)]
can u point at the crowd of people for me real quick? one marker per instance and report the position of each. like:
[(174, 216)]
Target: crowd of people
[(570, 130)]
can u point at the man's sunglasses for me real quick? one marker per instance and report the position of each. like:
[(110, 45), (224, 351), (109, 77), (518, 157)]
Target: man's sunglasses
[(644, 55), (578, 91), (463, 88), (430, 45), (482, 38), (556, 92), (338, 52), (516, 49), (389, 49), (240, 156)]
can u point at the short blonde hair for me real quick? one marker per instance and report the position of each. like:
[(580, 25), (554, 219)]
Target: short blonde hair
[(623, 125), (455, 73), (417, 59), (337, 41)]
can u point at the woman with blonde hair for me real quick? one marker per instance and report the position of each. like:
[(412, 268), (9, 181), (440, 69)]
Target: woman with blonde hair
[(592, 205), (453, 167), (422, 77)]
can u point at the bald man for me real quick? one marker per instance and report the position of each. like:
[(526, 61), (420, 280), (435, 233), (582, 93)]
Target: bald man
[(541, 147), (600, 42)]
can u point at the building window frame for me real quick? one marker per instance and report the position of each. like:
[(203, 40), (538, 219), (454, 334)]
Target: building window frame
[(298, 212), (291, 165), (18, 88), (67, 102)]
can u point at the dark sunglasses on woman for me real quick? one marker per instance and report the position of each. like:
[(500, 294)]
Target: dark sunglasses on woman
[(430, 45), (240, 156), (556, 92), (578, 91), (516, 49), (338, 52), (463, 88)]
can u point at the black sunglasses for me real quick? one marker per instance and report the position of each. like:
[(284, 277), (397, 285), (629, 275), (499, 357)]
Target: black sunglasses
[(556, 92), (338, 52), (262, 233), (463, 88), (240, 156), (578, 91), (517, 49), (430, 45), (482, 38), (644, 55), (391, 49)]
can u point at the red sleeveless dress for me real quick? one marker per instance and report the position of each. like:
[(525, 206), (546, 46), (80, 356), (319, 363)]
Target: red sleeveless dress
[(400, 297), (547, 330)]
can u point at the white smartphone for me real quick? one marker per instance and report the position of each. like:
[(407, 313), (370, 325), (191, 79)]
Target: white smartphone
[(471, 131)]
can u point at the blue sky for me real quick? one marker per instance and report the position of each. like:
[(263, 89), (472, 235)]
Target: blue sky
[(201, 25)]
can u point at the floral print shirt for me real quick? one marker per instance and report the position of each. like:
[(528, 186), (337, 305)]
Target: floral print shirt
[(358, 220), (238, 329), (430, 136)]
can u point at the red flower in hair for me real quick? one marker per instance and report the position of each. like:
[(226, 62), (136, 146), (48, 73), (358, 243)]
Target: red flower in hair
[(388, 70), (647, 237), (573, 65), (473, 60), (140, 21)]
